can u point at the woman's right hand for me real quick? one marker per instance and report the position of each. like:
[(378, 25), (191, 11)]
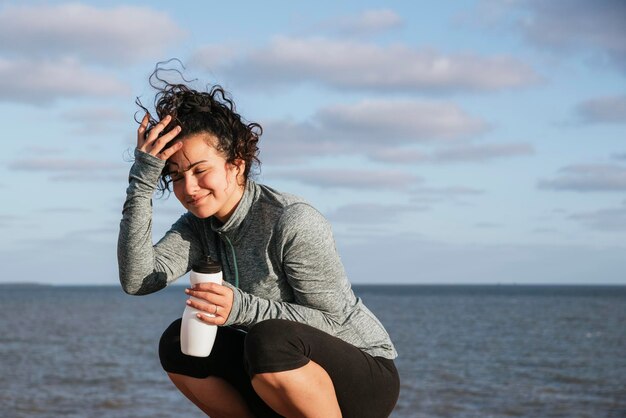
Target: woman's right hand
[(153, 144)]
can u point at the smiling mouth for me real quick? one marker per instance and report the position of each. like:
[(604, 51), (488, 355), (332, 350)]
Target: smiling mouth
[(195, 202)]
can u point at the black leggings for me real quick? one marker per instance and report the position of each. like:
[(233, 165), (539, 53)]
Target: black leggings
[(366, 386)]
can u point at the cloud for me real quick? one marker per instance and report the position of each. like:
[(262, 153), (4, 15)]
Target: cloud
[(353, 65), (455, 194), (64, 169), (609, 220), (399, 121), (487, 225), (38, 149), (367, 127), (461, 153), (292, 142), (116, 35), (603, 110), (400, 155), (8, 220), (568, 25), (61, 164), (368, 22), (482, 153), (350, 178), (447, 191), (588, 178), (370, 213), (95, 120), (66, 210), (381, 131), (43, 82)]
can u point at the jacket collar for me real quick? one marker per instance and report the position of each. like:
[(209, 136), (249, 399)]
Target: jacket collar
[(235, 226)]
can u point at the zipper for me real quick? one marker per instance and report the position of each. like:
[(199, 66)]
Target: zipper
[(232, 250)]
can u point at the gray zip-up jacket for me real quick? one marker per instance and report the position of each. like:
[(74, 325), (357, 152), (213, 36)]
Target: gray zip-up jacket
[(277, 253)]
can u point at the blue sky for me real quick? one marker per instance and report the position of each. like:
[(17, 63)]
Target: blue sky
[(461, 142)]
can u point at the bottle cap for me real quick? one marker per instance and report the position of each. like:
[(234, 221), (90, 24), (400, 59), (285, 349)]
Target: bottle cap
[(208, 265)]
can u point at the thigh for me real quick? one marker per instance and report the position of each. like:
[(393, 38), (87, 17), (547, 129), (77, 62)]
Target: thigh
[(365, 386), (225, 361), (226, 355)]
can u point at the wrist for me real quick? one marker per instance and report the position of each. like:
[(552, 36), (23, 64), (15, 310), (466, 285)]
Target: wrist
[(145, 171)]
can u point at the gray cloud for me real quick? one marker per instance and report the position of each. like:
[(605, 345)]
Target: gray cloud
[(66, 210), (95, 120), (588, 178), (349, 178), (62, 164), (367, 127), (116, 35), (8, 220), (460, 153), (370, 213), (619, 156), (399, 121), (71, 170), (455, 194), (567, 25), (487, 225), (38, 149), (484, 152), (348, 64), (368, 22), (118, 177), (291, 142), (603, 110), (447, 191), (610, 219), (400, 155), (42, 82)]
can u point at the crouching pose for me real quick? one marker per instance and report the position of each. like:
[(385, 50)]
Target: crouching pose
[(293, 340)]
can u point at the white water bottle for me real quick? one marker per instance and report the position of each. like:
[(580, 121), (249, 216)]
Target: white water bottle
[(197, 337)]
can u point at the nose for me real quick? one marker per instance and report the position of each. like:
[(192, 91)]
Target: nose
[(190, 184)]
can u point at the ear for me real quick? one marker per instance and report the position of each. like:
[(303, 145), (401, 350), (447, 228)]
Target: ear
[(239, 166)]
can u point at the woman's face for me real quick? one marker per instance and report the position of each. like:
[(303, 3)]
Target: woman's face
[(203, 181)]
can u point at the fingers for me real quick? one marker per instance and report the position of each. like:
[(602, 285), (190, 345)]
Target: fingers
[(210, 296), (212, 320), (150, 141), (213, 300), (213, 288), (157, 129), (141, 131), (160, 143), (214, 314)]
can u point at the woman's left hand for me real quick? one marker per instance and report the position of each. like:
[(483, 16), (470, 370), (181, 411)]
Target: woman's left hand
[(216, 302)]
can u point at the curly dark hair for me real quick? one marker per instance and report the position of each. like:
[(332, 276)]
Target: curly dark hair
[(211, 112)]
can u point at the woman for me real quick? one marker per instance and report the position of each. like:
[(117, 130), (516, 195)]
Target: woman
[(293, 340)]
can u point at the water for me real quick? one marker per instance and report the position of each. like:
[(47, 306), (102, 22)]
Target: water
[(465, 351)]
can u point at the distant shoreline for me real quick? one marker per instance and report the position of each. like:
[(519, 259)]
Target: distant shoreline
[(398, 285)]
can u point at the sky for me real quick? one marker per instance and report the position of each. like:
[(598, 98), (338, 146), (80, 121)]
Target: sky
[(447, 142)]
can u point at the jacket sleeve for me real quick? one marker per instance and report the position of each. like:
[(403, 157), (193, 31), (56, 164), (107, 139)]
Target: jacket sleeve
[(322, 294), (143, 267)]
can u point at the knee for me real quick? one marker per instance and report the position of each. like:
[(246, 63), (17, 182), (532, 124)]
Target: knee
[(273, 346), (271, 380), (169, 347), (267, 336)]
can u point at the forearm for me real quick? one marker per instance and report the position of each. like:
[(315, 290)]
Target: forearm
[(144, 268), (249, 309)]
